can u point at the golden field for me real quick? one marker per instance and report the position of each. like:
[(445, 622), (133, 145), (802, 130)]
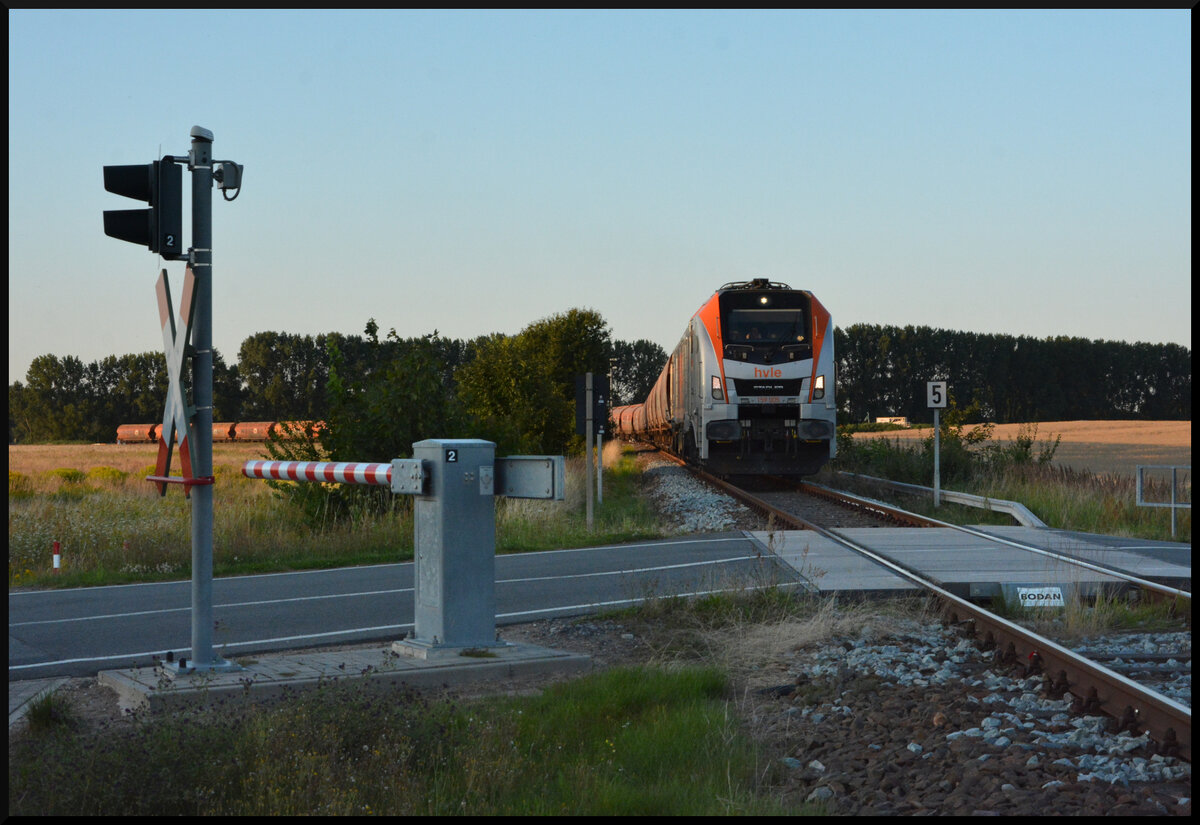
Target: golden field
[(1096, 446), (1114, 447), (136, 459)]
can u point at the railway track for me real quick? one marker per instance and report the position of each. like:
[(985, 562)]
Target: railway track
[(1097, 688)]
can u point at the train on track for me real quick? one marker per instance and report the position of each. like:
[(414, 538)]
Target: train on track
[(240, 431), (749, 390)]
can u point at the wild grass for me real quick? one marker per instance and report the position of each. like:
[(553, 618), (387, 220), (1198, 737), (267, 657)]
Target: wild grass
[(747, 633), (1093, 615), (1021, 470), (50, 711), (623, 515), (670, 737), (112, 526), (621, 742)]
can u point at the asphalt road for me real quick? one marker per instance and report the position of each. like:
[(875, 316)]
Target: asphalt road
[(79, 632)]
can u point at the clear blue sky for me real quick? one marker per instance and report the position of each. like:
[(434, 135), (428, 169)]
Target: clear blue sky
[(1026, 173)]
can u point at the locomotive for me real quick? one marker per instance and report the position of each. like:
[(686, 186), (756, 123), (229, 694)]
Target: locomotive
[(749, 389)]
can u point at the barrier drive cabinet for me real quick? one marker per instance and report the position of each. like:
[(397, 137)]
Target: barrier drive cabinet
[(455, 482)]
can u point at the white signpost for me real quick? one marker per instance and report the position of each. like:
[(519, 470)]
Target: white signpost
[(935, 395)]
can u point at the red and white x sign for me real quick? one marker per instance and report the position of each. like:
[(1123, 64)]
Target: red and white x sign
[(177, 415)]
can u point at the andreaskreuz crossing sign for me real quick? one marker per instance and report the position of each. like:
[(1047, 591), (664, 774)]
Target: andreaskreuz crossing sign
[(177, 415)]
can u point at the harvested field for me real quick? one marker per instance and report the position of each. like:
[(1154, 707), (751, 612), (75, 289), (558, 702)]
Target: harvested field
[(34, 459), (1115, 447), (1097, 446)]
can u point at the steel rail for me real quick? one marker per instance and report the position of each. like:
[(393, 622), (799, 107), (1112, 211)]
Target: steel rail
[(1145, 584), (1096, 688), (890, 511)]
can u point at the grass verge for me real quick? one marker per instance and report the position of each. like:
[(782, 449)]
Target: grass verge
[(112, 528), (1020, 470), (669, 736), (672, 735)]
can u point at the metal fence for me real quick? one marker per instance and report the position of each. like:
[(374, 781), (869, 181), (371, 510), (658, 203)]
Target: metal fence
[(1175, 503)]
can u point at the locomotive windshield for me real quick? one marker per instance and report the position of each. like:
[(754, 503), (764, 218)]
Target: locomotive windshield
[(762, 326), (758, 325)]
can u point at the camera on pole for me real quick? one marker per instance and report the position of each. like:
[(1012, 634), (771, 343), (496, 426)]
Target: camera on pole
[(159, 228)]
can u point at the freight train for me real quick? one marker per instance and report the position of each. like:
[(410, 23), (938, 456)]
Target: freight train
[(240, 431), (749, 390)]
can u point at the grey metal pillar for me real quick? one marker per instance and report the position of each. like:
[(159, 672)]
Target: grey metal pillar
[(587, 450), (454, 547), (200, 163), (454, 531), (937, 460)]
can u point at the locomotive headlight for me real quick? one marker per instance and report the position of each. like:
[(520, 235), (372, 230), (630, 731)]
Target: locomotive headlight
[(819, 387), (717, 392)]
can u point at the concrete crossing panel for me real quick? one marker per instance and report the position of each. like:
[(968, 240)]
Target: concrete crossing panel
[(829, 567), (961, 562)]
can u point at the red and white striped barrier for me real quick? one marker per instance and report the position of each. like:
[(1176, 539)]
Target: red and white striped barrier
[(341, 472)]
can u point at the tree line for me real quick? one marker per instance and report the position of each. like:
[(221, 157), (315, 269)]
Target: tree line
[(882, 371), (518, 390)]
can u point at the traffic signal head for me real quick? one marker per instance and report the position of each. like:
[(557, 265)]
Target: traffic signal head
[(159, 228)]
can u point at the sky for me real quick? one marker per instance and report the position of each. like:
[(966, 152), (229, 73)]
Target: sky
[(1021, 173)]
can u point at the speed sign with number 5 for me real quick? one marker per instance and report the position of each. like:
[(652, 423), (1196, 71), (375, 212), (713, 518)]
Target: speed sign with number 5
[(936, 394)]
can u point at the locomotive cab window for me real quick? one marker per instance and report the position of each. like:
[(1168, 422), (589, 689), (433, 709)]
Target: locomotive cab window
[(766, 323)]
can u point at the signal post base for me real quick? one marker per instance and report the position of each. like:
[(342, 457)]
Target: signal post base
[(186, 667), (415, 649), (275, 674)]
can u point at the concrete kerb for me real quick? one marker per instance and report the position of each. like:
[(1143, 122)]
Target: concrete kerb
[(153, 689), (22, 693)]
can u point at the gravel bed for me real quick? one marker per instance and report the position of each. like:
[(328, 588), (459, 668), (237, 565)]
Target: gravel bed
[(919, 723), (1172, 676), (689, 505), (692, 506)]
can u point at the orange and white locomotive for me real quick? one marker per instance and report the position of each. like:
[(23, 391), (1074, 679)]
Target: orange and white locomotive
[(749, 390)]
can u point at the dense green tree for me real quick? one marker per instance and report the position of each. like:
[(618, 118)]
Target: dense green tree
[(20, 409), (520, 389), (882, 371), (136, 386), (406, 399), (284, 376), (636, 366), (57, 402), (395, 396), (67, 400)]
